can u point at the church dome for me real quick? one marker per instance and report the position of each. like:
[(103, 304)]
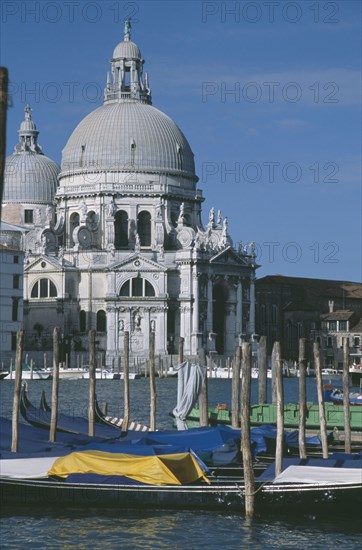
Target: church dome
[(128, 134), (128, 137), (29, 175)]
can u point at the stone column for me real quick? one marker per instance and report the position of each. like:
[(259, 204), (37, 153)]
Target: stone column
[(252, 305), (209, 305), (239, 308), (196, 335), (146, 330)]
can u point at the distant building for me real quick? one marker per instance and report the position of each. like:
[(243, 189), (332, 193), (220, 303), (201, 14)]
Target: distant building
[(289, 308), (11, 299)]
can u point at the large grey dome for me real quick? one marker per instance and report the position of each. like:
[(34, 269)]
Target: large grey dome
[(128, 136), (29, 175)]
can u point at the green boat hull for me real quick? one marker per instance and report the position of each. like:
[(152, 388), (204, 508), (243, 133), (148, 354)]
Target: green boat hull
[(267, 414)]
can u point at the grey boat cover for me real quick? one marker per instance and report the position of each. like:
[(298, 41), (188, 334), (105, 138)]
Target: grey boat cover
[(318, 475), (190, 378), (26, 468)]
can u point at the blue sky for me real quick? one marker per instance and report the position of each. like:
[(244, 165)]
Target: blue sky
[(267, 93)]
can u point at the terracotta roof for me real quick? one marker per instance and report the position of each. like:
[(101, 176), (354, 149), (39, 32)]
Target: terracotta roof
[(324, 287), (340, 315)]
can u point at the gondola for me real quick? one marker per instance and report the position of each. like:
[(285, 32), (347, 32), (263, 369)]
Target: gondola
[(333, 489), (41, 418), (100, 418)]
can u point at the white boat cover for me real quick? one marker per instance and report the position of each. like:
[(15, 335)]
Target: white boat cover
[(319, 475), (26, 468), (189, 384)]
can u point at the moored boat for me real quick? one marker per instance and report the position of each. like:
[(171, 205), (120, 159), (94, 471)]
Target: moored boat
[(267, 414)]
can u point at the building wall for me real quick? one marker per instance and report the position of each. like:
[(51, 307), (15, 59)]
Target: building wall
[(11, 288)]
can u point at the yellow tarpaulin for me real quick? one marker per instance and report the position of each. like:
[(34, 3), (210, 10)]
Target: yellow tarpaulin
[(171, 469)]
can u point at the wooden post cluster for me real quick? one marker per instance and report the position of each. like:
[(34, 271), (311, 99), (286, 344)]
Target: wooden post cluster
[(3, 107), (280, 409), (55, 385), (245, 431), (152, 383), (346, 411), (125, 422), (235, 390), (17, 388), (322, 416), (181, 350), (203, 397), (302, 397), (262, 371), (92, 381)]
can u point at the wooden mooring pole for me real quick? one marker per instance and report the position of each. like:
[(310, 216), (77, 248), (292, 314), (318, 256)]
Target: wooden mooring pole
[(279, 448), (181, 350), (203, 397), (235, 390), (55, 386), (4, 79), (152, 383), (92, 381), (322, 415), (17, 388), (262, 372), (302, 397), (125, 422), (273, 369), (346, 408), (245, 430)]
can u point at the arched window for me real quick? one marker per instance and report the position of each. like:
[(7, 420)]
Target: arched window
[(121, 229), (144, 228), (101, 321), (82, 321), (136, 287), (44, 288)]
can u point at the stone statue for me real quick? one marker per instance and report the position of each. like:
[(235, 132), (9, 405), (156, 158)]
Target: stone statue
[(121, 325), (137, 245), (161, 252), (127, 29), (137, 322), (225, 225), (153, 325), (43, 241), (110, 209), (219, 217), (212, 216), (61, 253), (49, 213), (181, 217)]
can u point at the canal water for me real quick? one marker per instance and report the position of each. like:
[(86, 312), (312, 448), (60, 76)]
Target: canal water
[(143, 529)]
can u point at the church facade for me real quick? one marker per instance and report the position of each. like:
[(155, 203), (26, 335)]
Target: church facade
[(114, 238)]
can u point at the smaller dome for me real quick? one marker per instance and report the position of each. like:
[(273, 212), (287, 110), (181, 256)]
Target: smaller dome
[(29, 177), (28, 126), (127, 49)]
